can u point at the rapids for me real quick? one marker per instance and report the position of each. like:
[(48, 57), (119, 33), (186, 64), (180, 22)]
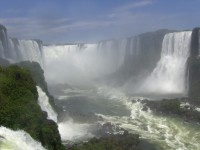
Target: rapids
[(17, 140), (164, 132)]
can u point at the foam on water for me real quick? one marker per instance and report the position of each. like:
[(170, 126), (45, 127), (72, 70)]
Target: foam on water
[(71, 131), (17, 140), (166, 132)]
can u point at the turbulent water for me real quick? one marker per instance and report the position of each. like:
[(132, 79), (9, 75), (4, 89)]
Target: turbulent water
[(114, 106), (75, 132), (43, 101), (82, 64), (170, 73), (17, 140), (165, 132)]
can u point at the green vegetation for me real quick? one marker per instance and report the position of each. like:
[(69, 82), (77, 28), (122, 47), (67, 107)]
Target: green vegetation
[(113, 142), (38, 76), (19, 108)]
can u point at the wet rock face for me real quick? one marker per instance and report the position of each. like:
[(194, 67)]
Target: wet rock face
[(108, 129), (124, 141), (194, 68), (19, 108), (178, 107), (194, 79), (195, 42), (3, 41)]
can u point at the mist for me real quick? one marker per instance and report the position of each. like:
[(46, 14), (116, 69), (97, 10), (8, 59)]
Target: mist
[(133, 64), (170, 74), (82, 63), (125, 71)]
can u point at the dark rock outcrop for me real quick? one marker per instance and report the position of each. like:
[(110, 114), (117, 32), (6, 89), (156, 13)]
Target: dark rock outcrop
[(141, 57), (124, 141), (194, 68), (37, 74), (4, 62), (3, 42), (175, 107)]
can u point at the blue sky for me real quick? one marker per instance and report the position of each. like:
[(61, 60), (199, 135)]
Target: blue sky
[(62, 21)]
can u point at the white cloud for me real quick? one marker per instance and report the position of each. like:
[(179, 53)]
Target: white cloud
[(119, 22), (25, 26), (133, 5), (36, 27), (126, 13)]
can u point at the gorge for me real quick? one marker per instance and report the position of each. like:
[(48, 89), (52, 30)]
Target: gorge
[(107, 81)]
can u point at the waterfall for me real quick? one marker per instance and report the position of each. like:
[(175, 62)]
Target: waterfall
[(83, 61), (1, 50), (3, 42), (169, 76), (17, 140), (22, 50), (16, 50), (122, 52), (134, 46), (43, 101)]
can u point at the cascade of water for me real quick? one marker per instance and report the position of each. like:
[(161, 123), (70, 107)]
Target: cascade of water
[(3, 43), (134, 46), (13, 54), (122, 51), (87, 60), (30, 50), (169, 75), (1, 50), (22, 50), (17, 140), (43, 101)]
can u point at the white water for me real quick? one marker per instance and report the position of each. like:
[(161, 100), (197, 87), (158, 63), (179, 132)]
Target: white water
[(168, 133), (17, 140), (1, 50), (71, 131), (169, 76), (3, 43), (76, 63), (43, 101), (22, 50), (135, 46), (164, 132)]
